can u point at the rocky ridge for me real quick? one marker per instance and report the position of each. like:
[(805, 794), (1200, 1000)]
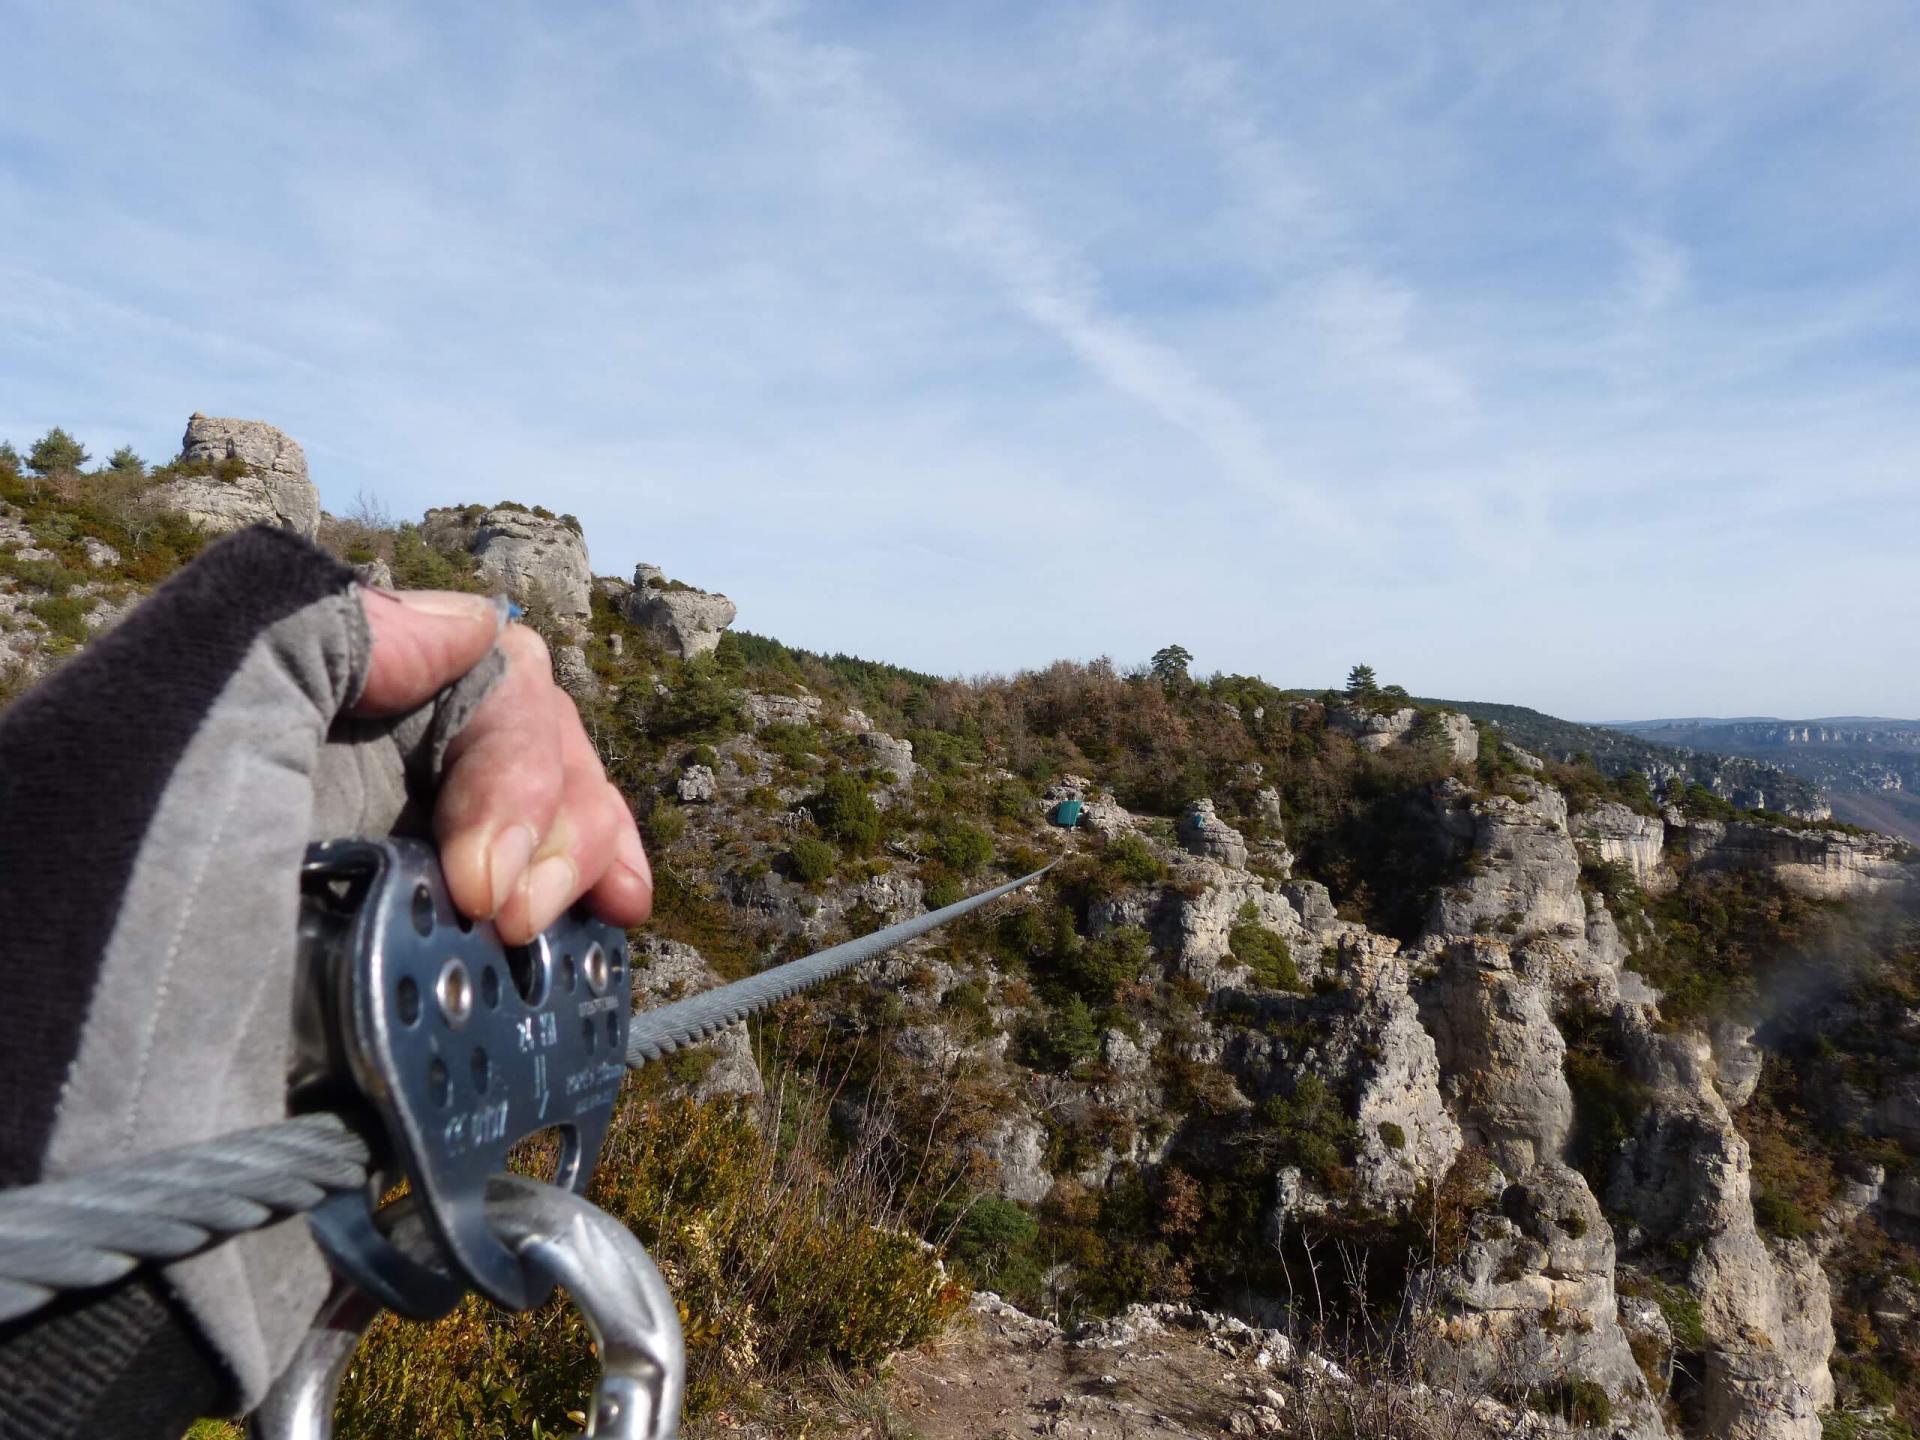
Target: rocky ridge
[(1330, 1077)]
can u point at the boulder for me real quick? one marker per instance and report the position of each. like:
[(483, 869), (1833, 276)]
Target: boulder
[(1106, 817), (273, 489), (890, 756), (100, 555), (761, 709), (1377, 730), (535, 558), (688, 622), (1018, 1149), (376, 573), (697, 785), (575, 675), (1204, 833)]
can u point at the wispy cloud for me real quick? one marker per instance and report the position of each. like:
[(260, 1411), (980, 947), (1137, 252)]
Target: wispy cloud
[(1536, 356)]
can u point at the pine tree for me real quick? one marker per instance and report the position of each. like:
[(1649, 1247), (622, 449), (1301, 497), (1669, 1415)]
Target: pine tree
[(1169, 664), (56, 453)]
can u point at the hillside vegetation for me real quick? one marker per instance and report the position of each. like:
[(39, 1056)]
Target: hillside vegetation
[(1341, 1012)]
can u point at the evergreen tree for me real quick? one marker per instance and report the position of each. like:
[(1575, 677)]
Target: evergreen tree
[(124, 462), (1362, 684), (1169, 664), (56, 453)]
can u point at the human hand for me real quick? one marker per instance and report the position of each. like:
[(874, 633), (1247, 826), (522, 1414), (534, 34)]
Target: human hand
[(526, 820)]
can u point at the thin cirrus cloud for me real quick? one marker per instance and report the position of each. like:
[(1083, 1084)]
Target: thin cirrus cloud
[(1564, 356)]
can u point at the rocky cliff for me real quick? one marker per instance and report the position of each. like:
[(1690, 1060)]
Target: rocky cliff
[(1869, 767)]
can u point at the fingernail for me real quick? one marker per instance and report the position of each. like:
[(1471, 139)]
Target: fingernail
[(451, 603), (551, 886), (507, 861)]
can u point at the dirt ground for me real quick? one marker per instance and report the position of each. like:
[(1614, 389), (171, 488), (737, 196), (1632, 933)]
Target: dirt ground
[(1001, 1375), (1008, 1378)]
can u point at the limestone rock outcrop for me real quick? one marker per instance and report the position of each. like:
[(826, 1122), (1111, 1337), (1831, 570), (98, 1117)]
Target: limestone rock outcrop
[(1531, 1302), (1820, 863), (696, 785), (761, 709), (688, 622), (534, 557), (667, 970), (1686, 1181), (1378, 730), (1204, 833), (1616, 835), (1502, 1055), (1523, 874), (262, 478), (540, 558)]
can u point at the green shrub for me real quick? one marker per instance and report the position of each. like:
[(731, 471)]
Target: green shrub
[(1578, 1401), (704, 755), (1308, 1128), (48, 575), (1132, 860), (988, 1234), (944, 892), (1066, 1037), (814, 861), (1011, 800), (1392, 1136), (1098, 968), (1779, 1214), (965, 849), (1607, 1105), (1681, 1309), (420, 566), (844, 811), (1264, 953), (703, 704), (64, 615), (666, 823), (784, 1255)]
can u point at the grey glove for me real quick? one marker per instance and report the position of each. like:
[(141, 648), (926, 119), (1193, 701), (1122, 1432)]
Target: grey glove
[(155, 800)]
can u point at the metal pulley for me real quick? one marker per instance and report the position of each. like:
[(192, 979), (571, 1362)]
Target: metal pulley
[(452, 1048), (456, 1047)]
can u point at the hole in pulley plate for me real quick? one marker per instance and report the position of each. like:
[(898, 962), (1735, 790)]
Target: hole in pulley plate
[(552, 1155), (527, 967)]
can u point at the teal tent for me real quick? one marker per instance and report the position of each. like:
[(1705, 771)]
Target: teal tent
[(1067, 814)]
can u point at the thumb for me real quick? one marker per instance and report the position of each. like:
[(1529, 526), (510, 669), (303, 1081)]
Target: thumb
[(422, 641)]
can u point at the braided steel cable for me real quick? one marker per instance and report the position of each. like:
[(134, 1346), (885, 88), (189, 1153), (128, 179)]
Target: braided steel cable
[(93, 1228), (667, 1028)]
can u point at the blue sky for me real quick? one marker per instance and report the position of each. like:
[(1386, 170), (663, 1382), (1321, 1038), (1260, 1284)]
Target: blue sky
[(1566, 355)]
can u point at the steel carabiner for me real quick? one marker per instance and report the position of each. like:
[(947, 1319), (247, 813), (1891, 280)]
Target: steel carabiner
[(561, 1240)]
